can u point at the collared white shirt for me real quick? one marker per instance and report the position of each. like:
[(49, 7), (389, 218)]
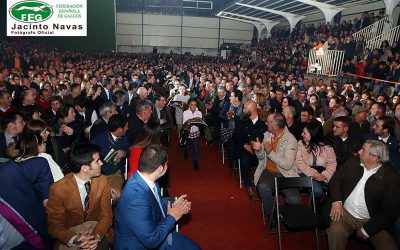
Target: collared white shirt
[(151, 185), (9, 138), (254, 120), (114, 137), (385, 140), (355, 204), (82, 189)]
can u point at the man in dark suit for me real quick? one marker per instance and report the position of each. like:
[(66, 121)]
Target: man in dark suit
[(114, 138), (365, 199), (106, 110), (162, 115), (145, 220), (384, 131), (12, 124), (79, 208), (143, 114), (122, 106)]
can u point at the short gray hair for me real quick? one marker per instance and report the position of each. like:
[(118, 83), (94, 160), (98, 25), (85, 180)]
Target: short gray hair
[(106, 107), (378, 149), (142, 105), (340, 112)]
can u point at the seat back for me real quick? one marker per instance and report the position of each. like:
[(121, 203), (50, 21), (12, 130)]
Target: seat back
[(295, 182)]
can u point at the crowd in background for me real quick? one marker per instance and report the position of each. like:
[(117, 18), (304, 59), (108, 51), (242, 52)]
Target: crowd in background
[(259, 104)]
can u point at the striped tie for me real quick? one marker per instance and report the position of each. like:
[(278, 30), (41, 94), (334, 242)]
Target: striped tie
[(87, 187)]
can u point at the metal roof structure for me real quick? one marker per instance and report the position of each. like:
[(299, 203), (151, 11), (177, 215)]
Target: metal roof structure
[(286, 10)]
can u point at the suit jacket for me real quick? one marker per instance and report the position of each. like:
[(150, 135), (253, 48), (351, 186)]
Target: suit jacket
[(106, 143), (381, 193), (64, 207), (135, 125), (3, 144), (284, 156), (98, 127), (165, 113), (24, 185), (139, 222), (393, 145)]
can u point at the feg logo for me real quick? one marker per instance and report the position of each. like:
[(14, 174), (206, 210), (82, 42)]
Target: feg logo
[(31, 11)]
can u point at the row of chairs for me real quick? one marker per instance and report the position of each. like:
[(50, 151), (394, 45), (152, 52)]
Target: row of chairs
[(295, 217)]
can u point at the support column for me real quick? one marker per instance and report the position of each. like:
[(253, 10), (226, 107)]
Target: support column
[(269, 26), (260, 28), (390, 5), (328, 10)]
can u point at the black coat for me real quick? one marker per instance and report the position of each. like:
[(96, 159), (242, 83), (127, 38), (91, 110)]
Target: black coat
[(246, 131), (381, 193)]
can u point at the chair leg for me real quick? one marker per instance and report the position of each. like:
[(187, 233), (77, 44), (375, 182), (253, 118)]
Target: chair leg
[(223, 153), (263, 212), (240, 175), (317, 238), (278, 223)]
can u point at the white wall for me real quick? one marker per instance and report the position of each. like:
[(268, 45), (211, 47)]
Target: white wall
[(349, 13), (181, 34)]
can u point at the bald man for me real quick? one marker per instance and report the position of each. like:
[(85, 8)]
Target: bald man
[(248, 129)]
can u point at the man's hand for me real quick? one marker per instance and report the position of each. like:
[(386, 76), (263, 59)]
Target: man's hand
[(86, 241), (256, 144), (248, 148), (67, 130), (360, 235), (336, 211), (267, 146), (120, 154), (229, 114), (180, 207)]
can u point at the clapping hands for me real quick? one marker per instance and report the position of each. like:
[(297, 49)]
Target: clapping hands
[(180, 207)]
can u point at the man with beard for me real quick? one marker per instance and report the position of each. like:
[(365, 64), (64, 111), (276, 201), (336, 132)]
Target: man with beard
[(248, 129)]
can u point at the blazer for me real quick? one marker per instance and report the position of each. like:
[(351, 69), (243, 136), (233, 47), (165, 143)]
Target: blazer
[(106, 143), (381, 193), (138, 221), (24, 185), (64, 207), (97, 128), (284, 157), (393, 145), (3, 144)]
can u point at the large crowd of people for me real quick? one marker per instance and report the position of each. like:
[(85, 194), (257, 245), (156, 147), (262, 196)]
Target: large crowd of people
[(85, 137)]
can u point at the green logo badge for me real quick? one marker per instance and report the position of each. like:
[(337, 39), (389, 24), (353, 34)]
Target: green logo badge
[(31, 11)]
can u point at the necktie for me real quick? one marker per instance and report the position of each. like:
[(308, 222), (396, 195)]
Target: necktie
[(15, 138), (158, 199), (86, 204)]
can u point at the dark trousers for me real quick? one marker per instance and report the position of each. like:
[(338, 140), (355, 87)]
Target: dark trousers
[(245, 163), (266, 187), (194, 143)]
